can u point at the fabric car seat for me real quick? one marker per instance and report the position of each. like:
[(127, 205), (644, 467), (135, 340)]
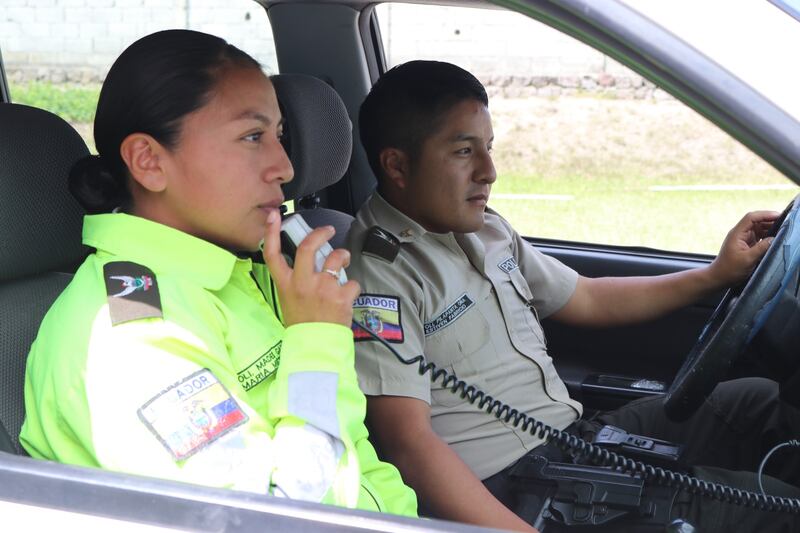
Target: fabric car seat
[(40, 241), (318, 137)]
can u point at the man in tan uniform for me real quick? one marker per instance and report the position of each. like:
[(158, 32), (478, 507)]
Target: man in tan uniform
[(445, 276)]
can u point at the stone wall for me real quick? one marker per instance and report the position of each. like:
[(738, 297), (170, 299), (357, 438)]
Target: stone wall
[(604, 85), (75, 41)]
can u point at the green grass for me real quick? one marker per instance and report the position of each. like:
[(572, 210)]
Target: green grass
[(72, 103), (621, 210), (604, 153)]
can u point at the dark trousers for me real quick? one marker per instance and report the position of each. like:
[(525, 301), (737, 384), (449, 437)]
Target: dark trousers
[(725, 441)]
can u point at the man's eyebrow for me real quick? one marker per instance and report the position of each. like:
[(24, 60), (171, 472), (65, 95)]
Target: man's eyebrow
[(461, 137)]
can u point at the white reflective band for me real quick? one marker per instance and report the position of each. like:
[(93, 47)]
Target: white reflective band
[(312, 397), (306, 461)]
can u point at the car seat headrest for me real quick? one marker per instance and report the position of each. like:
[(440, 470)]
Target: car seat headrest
[(318, 133), (40, 221)]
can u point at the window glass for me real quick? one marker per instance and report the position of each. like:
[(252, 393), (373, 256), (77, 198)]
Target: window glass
[(57, 53), (773, 39), (585, 149), (790, 6)]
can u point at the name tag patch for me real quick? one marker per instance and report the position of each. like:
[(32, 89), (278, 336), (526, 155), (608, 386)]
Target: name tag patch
[(192, 414), (261, 368), (379, 313), (449, 315), (508, 264)]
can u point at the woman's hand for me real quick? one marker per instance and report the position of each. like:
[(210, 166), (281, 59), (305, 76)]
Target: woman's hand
[(306, 295)]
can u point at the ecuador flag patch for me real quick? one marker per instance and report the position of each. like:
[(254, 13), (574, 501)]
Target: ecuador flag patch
[(379, 313)]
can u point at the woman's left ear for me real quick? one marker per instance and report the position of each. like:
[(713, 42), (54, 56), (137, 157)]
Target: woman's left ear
[(145, 158)]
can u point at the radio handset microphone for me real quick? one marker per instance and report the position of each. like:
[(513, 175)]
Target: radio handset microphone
[(294, 229)]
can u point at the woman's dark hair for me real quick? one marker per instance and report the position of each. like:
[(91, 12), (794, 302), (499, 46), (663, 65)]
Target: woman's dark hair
[(407, 103), (150, 88)]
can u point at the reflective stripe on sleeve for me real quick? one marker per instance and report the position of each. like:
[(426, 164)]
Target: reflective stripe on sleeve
[(312, 397), (307, 460), (307, 456)]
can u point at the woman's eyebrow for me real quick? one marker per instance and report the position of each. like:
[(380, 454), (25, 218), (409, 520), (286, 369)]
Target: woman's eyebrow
[(250, 114), (255, 115)]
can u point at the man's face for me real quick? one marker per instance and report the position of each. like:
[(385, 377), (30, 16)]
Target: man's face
[(448, 185)]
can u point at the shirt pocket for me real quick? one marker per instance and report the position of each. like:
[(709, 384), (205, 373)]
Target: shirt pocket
[(531, 315), (457, 348)]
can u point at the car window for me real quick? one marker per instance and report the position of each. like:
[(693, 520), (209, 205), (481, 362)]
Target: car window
[(57, 53), (790, 6), (773, 40), (585, 149)]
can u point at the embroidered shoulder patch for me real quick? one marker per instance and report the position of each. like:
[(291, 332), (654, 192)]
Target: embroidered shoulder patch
[(380, 243), (449, 315), (132, 292), (191, 414), (379, 313), (508, 264)]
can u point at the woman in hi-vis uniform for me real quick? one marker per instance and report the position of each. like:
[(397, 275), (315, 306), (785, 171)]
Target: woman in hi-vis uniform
[(179, 350)]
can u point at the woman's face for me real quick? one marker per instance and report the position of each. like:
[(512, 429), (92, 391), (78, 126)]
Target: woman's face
[(225, 174)]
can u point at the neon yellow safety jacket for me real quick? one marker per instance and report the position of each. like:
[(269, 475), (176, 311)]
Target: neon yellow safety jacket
[(166, 357)]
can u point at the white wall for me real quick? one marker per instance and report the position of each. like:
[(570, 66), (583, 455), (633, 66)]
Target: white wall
[(80, 39), (77, 40)]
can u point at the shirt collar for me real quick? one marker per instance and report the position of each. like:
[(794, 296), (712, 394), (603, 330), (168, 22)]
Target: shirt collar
[(405, 228), (160, 248), (393, 220)]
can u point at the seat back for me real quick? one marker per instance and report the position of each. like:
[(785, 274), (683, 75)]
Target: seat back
[(318, 137), (40, 241)]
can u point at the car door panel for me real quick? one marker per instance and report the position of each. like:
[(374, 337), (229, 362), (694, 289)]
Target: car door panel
[(594, 362)]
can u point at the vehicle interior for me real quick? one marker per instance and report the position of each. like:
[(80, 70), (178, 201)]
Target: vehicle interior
[(329, 54)]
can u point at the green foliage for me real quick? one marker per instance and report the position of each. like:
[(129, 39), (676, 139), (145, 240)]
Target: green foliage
[(628, 211), (75, 104), (594, 186)]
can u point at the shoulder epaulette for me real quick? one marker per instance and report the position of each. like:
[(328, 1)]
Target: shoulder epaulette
[(380, 243), (132, 292)]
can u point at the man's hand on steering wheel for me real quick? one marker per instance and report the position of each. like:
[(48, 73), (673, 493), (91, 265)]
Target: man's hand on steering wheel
[(742, 249), (764, 275)]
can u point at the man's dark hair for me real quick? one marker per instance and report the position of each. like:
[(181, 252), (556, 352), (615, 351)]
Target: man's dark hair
[(406, 105)]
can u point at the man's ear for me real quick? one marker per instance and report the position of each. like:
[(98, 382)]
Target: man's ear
[(395, 165), (145, 158)]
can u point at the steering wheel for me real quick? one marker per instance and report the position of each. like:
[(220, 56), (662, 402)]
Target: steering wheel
[(738, 318)]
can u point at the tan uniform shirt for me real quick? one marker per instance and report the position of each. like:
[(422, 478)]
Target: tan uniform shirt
[(468, 302)]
